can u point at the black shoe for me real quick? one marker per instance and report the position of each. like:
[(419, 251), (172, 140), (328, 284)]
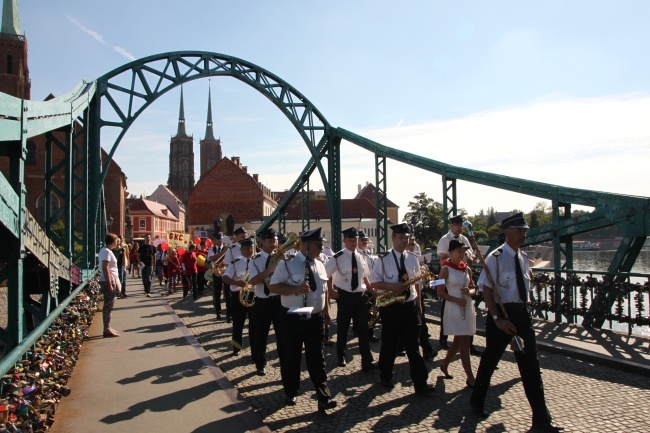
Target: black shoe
[(218, 316), (469, 385), (475, 350), (401, 353), (326, 404), (426, 391), (369, 367), (228, 320), (430, 356), (342, 362), (387, 383), (444, 344), (329, 342), (478, 411), (261, 371), (235, 352), (546, 427), (373, 339), (290, 401)]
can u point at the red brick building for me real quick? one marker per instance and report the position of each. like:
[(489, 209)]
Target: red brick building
[(227, 190), (14, 70)]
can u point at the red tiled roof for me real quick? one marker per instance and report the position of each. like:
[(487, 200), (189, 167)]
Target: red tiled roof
[(143, 206), (350, 208), (369, 192)]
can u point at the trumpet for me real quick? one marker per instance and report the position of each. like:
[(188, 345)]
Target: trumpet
[(218, 266), (390, 297), (246, 294)]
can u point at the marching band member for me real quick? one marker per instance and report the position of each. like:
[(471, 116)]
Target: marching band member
[(232, 254), (215, 252), (267, 309), (362, 248), (348, 277), (510, 270), (236, 275), (400, 320), (301, 281)]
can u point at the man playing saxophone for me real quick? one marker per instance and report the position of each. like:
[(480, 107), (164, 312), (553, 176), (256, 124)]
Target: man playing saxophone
[(236, 275), (400, 320), (267, 309), (303, 280)]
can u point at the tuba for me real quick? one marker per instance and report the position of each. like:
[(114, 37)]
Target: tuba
[(246, 293), (390, 297), (293, 241)]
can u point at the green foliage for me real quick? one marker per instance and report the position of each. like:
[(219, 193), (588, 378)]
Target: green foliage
[(426, 216), (59, 229)]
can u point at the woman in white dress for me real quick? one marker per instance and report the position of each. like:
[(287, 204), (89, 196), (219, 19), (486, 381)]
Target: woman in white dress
[(109, 281), (459, 319)]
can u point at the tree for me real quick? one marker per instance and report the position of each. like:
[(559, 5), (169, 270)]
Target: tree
[(427, 219)]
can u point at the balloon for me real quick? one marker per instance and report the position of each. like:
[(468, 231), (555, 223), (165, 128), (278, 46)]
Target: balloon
[(197, 241), (164, 246), (180, 251), (208, 243)]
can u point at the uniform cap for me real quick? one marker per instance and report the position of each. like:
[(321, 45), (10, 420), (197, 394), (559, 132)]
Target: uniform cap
[(350, 233), (515, 221)]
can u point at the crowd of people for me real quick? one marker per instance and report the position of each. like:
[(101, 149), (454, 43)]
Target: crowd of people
[(291, 287)]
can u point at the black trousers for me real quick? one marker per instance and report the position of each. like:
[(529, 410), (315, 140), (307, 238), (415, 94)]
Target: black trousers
[(239, 315), (200, 281), (353, 305), (443, 337), (310, 333), (401, 322), (147, 274), (265, 312), (217, 286), (528, 363)]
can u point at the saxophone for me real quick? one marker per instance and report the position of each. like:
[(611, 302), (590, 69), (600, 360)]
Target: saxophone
[(246, 294), (390, 297)]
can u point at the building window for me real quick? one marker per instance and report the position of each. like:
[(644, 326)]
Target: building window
[(143, 223), (10, 63), (55, 205)]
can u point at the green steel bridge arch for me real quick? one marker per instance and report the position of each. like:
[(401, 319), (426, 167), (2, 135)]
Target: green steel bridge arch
[(116, 99)]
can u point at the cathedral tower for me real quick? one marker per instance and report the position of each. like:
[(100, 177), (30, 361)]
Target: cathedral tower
[(181, 160), (210, 147), (14, 73)]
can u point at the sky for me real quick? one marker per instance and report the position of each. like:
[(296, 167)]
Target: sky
[(555, 91)]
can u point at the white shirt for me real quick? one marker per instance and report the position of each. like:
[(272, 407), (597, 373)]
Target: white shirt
[(501, 265), (257, 266), (237, 271), (340, 269), (386, 270), (368, 259), (292, 272), (212, 252), (106, 255), (443, 243), (233, 253)]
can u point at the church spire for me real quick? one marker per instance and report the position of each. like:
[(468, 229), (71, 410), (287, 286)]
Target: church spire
[(10, 22), (181, 118), (209, 133)]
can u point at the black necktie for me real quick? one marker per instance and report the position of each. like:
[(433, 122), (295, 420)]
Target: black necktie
[(355, 273), (312, 280), (247, 260), (402, 269), (521, 285), (267, 292)]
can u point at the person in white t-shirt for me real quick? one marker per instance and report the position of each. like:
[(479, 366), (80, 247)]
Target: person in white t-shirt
[(109, 281)]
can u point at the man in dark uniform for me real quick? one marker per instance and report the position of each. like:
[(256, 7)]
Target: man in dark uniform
[(302, 282), (235, 276), (147, 255), (400, 321), (216, 252), (510, 271), (348, 285), (268, 308)]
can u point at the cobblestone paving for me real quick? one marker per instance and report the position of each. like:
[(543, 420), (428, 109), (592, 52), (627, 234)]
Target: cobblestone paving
[(582, 397)]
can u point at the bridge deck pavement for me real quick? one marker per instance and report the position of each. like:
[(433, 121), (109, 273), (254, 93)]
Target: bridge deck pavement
[(582, 395)]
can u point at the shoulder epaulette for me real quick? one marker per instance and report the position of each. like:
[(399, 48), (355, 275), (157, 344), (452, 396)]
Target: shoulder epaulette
[(236, 260), (338, 254), (497, 252), (382, 255), (256, 255), (320, 260)]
